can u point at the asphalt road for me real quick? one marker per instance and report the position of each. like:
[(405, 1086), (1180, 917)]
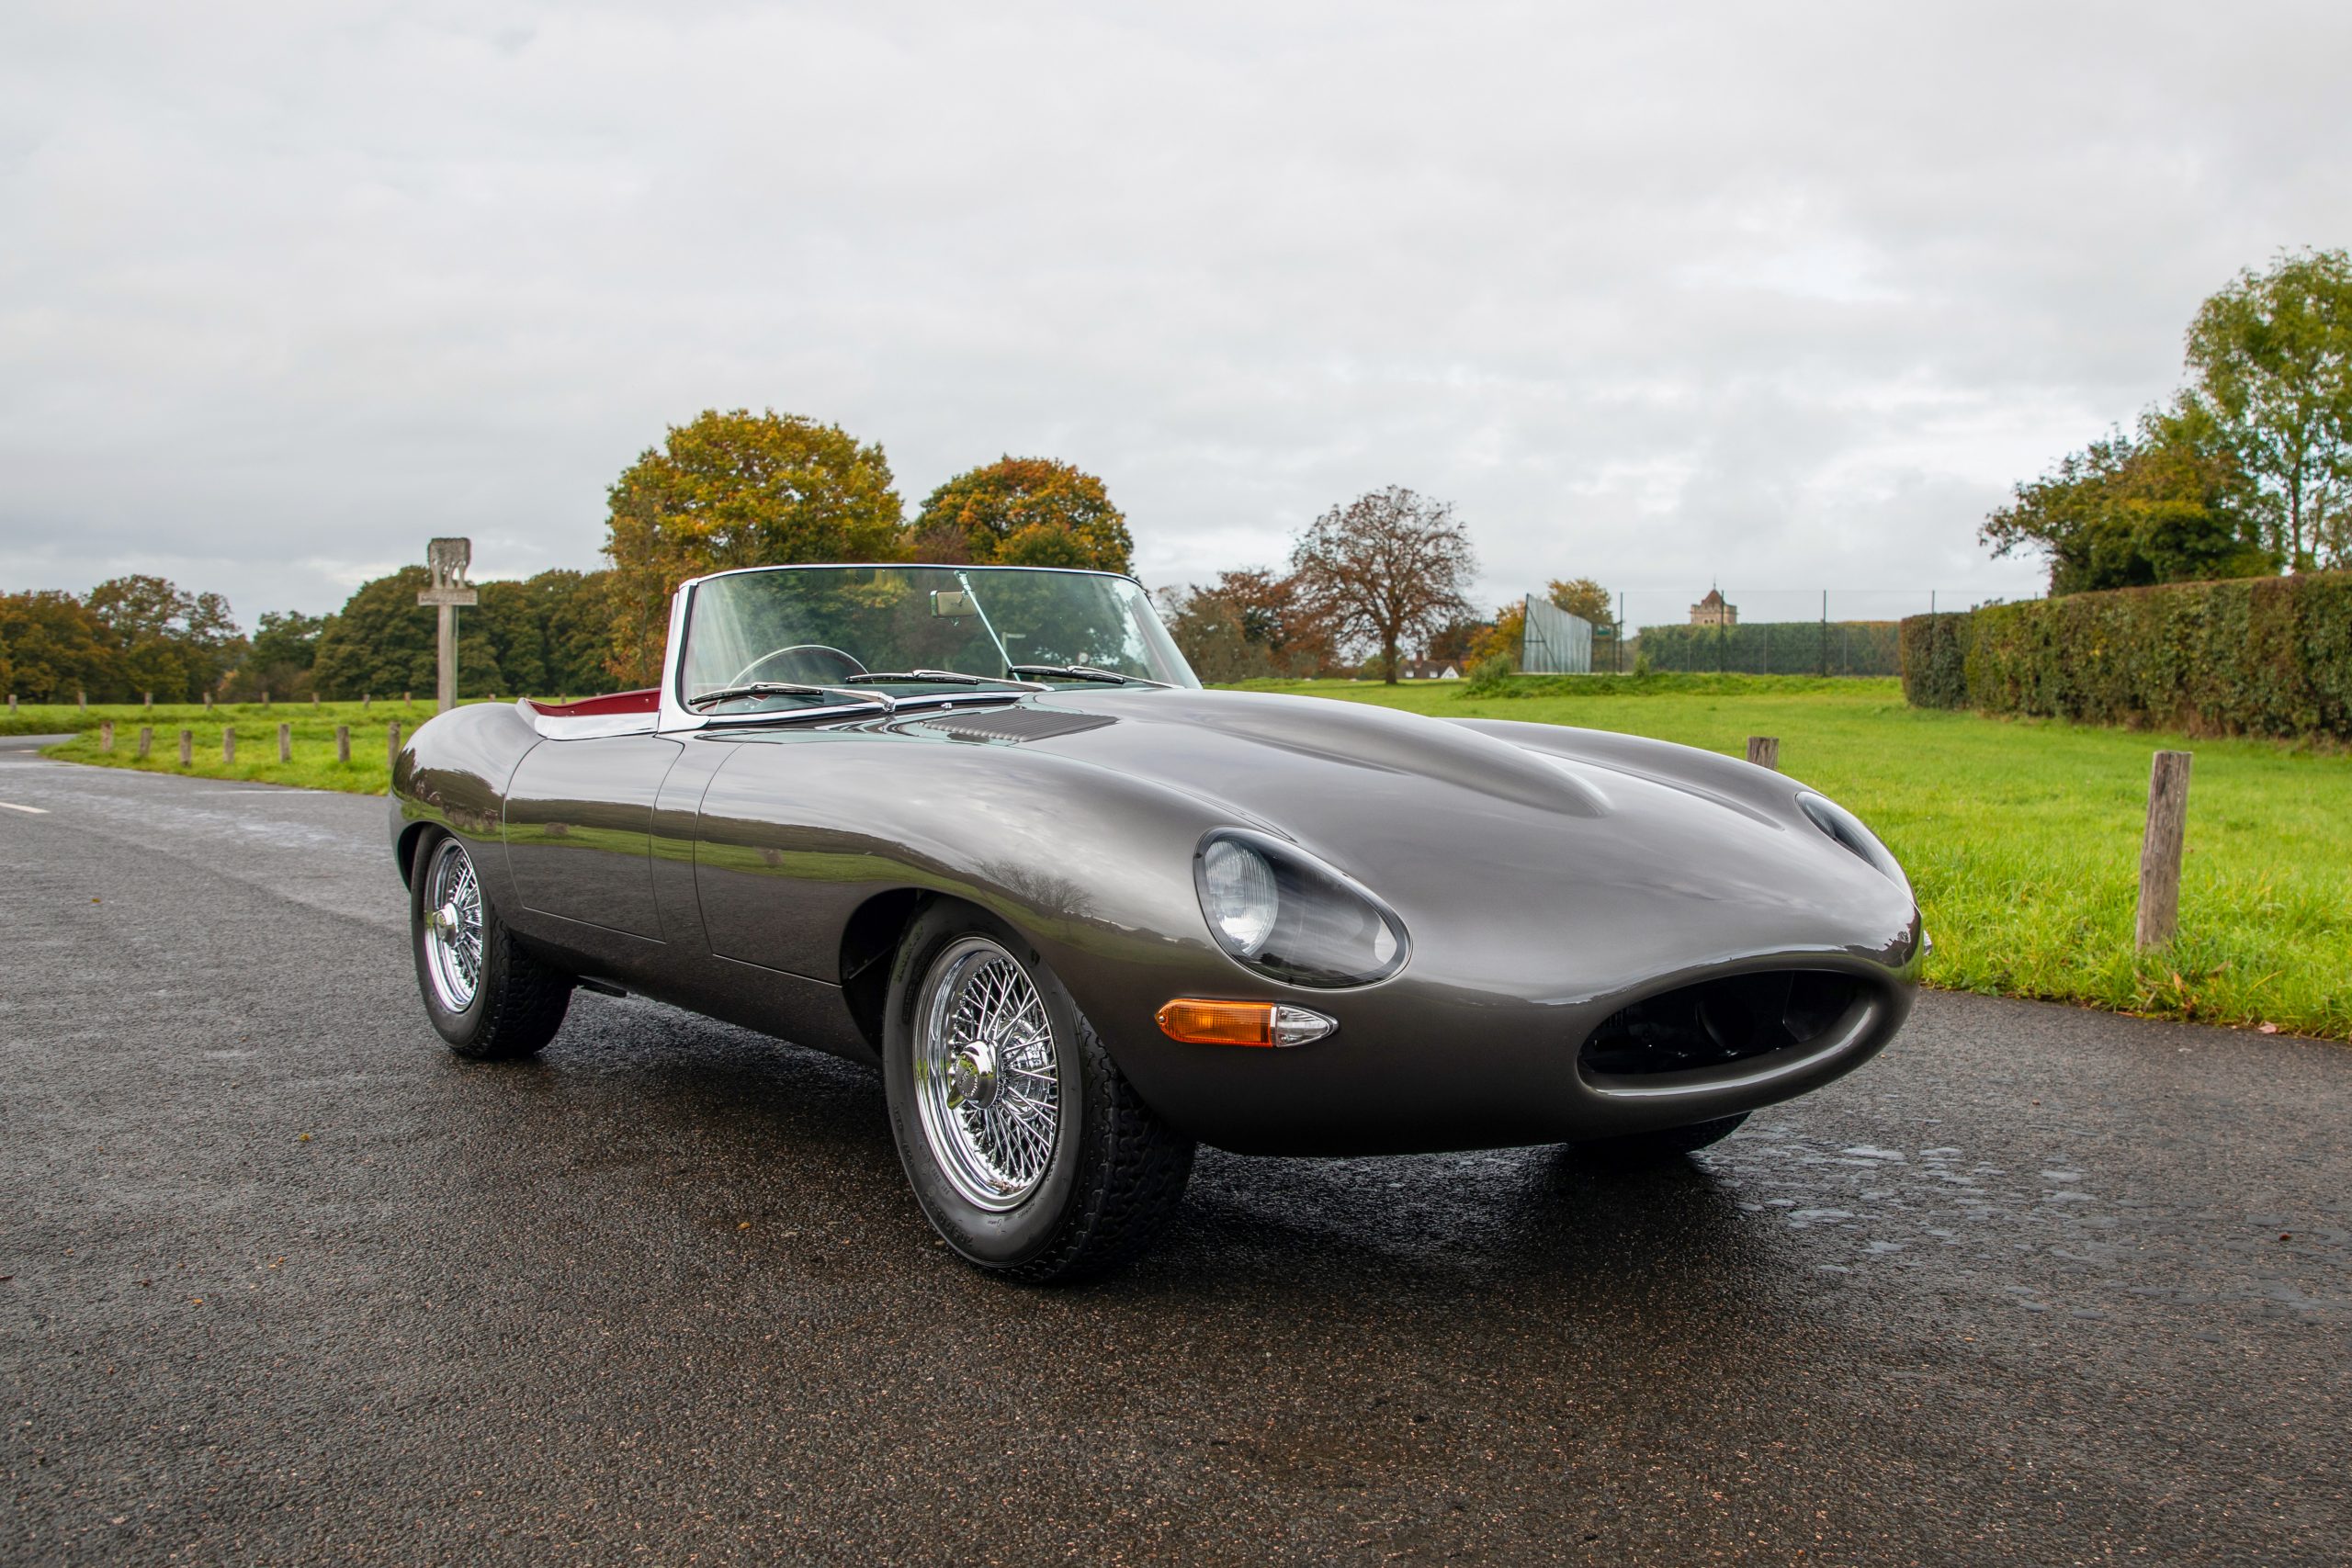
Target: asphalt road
[(285, 1283)]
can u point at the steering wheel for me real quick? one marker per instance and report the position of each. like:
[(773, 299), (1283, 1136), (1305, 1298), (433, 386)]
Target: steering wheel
[(746, 674)]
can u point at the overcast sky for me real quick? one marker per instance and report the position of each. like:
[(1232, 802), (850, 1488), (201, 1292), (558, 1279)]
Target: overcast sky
[(1780, 295)]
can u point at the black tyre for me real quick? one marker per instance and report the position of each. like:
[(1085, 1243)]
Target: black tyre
[(491, 999), (1639, 1150), (1030, 1152)]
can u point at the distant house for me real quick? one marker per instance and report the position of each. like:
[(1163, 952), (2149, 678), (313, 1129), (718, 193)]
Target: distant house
[(1429, 669), (1712, 611)]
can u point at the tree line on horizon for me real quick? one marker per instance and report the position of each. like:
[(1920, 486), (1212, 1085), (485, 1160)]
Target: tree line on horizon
[(1368, 582), (724, 489)]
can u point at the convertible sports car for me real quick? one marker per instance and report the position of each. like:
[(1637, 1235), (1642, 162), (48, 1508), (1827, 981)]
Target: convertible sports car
[(982, 825)]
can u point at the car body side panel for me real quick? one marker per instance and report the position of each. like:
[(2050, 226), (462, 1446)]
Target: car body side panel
[(799, 829), (579, 830), (677, 813)]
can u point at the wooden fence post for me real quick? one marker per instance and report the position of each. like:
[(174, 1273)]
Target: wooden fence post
[(106, 736), (343, 743), (187, 747), (392, 746), (285, 742), (146, 740), (264, 697), (365, 702), (228, 743), (150, 700), (82, 700), (12, 704), (2160, 849), (314, 699), (1764, 750), (208, 702)]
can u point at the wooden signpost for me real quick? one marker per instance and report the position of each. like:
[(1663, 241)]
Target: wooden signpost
[(447, 559)]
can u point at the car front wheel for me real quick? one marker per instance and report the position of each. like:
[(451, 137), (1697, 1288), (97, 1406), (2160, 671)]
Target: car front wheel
[(1028, 1150), (491, 999)]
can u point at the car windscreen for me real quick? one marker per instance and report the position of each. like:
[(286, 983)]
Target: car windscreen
[(830, 626)]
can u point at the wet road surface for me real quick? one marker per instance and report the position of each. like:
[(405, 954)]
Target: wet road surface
[(285, 1281)]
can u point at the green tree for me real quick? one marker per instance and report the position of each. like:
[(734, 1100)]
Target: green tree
[(279, 659), (382, 641), (574, 611), (1387, 568), (174, 644), (2169, 504), (52, 648), (2272, 358), (736, 490), (1025, 511), (509, 655)]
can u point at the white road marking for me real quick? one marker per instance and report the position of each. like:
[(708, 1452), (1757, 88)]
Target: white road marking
[(36, 810)]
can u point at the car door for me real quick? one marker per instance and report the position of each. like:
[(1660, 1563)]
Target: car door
[(579, 829), (780, 859)]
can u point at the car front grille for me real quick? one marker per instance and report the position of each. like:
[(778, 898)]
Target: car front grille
[(1719, 1021)]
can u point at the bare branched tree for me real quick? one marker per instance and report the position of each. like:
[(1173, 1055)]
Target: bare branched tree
[(1385, 569)]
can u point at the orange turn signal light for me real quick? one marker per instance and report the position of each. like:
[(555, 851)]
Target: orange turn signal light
[(1199, 1022)]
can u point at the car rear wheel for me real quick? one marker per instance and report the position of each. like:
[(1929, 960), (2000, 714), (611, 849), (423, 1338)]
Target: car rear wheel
[(1638, 1149), (1029, 1152), (490, 998)]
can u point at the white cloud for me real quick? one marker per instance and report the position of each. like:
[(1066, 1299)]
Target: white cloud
[(1786, 296)]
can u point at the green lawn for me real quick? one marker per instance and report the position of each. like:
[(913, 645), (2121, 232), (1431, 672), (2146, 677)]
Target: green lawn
[(68, 718), (2021, 838), (314, 765)]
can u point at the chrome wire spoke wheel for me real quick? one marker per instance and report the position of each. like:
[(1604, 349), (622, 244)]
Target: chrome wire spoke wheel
[(453, 927), (987, 1080)]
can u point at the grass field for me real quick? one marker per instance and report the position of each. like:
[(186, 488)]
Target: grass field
[(2021, 838), (314, 765)]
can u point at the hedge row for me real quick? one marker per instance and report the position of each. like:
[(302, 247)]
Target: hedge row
[(2255, 656)]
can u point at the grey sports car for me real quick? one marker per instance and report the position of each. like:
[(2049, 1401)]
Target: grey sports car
[(983, 827)]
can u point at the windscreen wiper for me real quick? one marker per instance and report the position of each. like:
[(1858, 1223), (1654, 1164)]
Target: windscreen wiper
[(874, 700), (955, 676), (1082, 672)]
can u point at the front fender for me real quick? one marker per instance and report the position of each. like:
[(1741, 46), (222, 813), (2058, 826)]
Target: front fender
[(453, 773)]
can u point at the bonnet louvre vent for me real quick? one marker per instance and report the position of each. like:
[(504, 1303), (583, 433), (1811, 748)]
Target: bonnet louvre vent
[(1015, 724)]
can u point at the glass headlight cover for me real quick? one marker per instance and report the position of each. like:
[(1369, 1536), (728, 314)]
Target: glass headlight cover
[(1278, 910), (1847, 829)]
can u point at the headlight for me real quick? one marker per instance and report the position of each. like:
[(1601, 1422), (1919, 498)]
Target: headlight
[(1238, 895), (1280, 911), (1847, 829)]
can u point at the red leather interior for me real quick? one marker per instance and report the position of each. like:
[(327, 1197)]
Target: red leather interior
[(646, 701)]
